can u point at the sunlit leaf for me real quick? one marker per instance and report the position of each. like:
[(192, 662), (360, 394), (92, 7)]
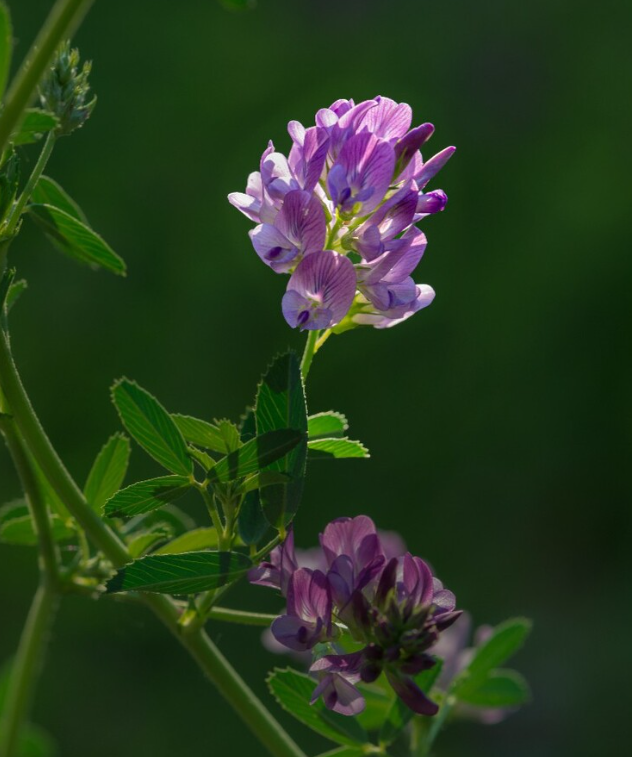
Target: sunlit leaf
[(145, 496), (187, 573), (108, 471), (77, 240), (192, 541), (48, 192), (281, 405), (336, 448), (151, 426), (265, 449), (326, 425)]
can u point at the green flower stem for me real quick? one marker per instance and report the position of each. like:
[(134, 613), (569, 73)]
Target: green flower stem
[(240, 616), (18, 208), (213, 512), (310, 351), (209, 658), (228, 682), (47, 547), (321, 340), (25, 668), (42, 450), (63, 20)]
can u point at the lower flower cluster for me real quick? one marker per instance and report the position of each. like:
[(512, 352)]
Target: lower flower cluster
[(390, 604)]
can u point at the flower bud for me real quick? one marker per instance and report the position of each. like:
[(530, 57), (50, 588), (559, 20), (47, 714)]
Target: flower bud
[(64, 92)]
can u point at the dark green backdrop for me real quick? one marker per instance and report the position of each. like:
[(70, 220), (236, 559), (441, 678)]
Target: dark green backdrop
[(498, 420)]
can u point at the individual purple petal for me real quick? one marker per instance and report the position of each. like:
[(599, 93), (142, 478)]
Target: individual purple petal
[(425, 295), (443, 599), (339, 695), (320, 291), (411, 695), (417, 580), (308, 595), (302, 221), (432, 167), (295, 633), (354, 537), (389, 120), (431, 202), (348, 665), (362, 173), (273, 247), (277, 572), (308, 155), (409, 144), (249, 206)]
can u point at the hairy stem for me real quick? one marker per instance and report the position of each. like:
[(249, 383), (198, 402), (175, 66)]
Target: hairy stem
[(47, 548), (63, 20), (310, 351), (38, 170), (25, 668)]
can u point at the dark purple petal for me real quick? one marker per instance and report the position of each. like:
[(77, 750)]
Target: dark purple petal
[(296, 633), (411, 695), (410, 144), (308, 596), (431, 202), (277, 572), (339, 695), (345, 536), (387, 581)]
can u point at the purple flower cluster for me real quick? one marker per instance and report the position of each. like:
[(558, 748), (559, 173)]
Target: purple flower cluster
[(391, 605), (339, 214)]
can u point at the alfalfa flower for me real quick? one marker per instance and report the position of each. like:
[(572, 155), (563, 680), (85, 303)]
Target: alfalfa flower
[(339, 213), (389, 604)]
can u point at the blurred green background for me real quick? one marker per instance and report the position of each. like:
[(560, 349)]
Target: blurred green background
[(498, 419)]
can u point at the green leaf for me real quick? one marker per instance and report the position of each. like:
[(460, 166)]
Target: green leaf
[(506, 640), (331, 424), (256, 455), (251, 522), (108, 471), (399, 714), (15, 290), (48, 192), (230, 434), (145, 496), (6, 46), (501, 688), (152, 427), (169, 517), (345, 751), (186, 573), (17, 527), (205, 461), (35, 124), (201, 433), (330, 448), (293, 691), (142, 543), (261, 480), (192, 541), (281, 405), (76, 239)]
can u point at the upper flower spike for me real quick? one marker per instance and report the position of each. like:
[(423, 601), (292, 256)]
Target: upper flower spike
[(353, 185)]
